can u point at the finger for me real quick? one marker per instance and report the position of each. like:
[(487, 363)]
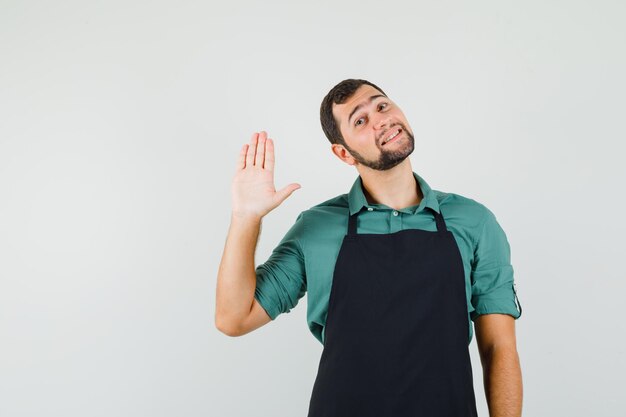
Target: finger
[(251, 150), (260, 150), (241, 161), (269, 155), (285, 192)]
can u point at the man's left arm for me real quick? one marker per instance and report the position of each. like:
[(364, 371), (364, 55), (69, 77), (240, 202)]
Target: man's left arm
[(494, 315), (502, 374)]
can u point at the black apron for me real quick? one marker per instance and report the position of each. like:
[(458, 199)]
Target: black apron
[(396, 335)]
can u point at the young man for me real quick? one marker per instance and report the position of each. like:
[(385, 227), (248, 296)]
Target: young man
[(395, 274)]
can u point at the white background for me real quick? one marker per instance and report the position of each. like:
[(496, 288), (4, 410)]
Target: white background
[(120, 126)]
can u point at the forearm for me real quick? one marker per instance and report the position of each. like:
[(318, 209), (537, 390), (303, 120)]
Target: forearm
[(236, 278), (502, 377)]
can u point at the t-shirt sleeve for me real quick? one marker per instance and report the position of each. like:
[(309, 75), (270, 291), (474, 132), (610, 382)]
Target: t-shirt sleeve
[(281, 280), (493, 287)]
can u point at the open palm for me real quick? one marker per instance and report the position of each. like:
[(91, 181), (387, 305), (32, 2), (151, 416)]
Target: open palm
[(253, 190)]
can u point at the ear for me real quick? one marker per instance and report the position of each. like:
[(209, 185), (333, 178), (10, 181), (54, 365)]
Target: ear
[(343, 154)]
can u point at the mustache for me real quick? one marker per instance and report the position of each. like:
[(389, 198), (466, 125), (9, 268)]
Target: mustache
[(393, 126)]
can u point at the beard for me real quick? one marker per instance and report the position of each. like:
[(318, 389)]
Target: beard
[(388, 158)]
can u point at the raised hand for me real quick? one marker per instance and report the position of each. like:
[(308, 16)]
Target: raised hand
[(253, 191)]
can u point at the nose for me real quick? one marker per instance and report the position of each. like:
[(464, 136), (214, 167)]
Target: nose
[(382, 122)]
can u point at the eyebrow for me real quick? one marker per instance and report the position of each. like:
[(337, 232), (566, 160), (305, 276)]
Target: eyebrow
[(361, 105)]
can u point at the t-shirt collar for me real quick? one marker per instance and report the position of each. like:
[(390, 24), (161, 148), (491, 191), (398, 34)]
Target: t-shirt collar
[(357, 200)]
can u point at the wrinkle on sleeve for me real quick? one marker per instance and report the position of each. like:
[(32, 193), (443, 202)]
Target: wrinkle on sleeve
[(281, 279), (492, 279)]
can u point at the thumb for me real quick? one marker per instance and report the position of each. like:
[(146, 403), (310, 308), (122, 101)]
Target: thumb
[(286, 191)]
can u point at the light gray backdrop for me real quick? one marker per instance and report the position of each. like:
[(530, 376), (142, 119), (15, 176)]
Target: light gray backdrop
[(120, 126)]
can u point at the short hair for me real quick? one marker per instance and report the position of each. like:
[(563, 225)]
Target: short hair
[(339, 94)]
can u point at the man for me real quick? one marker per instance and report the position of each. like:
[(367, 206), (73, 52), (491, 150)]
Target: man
[(395, 273)]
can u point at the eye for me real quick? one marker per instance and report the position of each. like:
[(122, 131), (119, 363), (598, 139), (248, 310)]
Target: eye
[(384, 105)]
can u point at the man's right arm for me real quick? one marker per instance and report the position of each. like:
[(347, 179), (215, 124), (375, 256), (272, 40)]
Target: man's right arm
[(237, 312)]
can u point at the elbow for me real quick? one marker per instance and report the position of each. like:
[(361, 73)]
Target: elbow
[(227, 328)]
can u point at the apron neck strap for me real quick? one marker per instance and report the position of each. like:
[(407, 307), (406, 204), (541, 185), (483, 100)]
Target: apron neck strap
[(441, 224), (352, 223)]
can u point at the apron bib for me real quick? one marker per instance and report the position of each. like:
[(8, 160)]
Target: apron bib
[(396, 332)]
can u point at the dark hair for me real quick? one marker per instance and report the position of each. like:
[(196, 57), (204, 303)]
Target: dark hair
[(339, 94)]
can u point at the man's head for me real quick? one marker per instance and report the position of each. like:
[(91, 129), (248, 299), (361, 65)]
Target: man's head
[(357, 117)]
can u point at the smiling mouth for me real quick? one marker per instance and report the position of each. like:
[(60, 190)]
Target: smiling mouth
[(392, 136)]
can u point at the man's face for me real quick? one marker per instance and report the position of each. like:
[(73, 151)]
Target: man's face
[(365, 130)]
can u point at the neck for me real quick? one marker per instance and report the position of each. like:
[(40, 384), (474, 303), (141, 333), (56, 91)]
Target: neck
[(395, 187)]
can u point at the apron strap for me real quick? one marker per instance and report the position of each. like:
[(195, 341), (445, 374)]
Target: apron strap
[(352, 223), (441, 224)]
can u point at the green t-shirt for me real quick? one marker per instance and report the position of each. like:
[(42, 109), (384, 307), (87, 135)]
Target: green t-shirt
[(304, 260)]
